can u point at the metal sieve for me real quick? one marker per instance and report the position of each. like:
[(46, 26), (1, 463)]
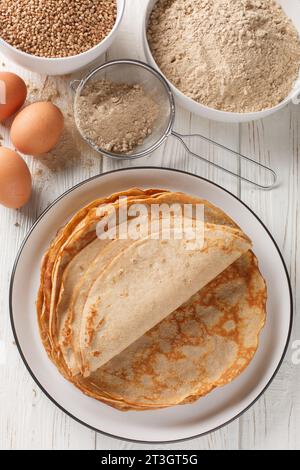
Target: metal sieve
[(136, 72)]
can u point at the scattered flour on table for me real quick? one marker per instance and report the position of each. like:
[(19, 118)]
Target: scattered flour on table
[(238, 56), (71, 149), (66, 152)]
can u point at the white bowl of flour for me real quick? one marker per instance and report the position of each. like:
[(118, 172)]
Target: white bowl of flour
[(273, 66)]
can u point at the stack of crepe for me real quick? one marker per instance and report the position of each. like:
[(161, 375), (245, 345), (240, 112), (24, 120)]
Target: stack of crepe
[(147, 323)]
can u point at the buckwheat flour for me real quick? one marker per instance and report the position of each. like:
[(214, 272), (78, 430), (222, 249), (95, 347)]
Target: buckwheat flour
[(239, 56), (117, 117)]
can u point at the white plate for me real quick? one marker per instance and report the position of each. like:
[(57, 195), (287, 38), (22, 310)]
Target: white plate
[(173, 424)]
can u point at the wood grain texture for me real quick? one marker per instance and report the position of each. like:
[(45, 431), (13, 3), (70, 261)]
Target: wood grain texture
[(28, 420)]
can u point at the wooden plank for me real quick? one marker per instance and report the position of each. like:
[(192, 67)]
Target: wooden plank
[(274, 421)]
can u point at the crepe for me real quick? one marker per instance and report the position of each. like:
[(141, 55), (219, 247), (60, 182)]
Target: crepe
[(164, 344), (204, 344), (77, 234), (124, 303), (74, 293), (79, 240)]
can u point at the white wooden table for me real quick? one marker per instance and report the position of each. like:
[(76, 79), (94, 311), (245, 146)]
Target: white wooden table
[(27, 418)]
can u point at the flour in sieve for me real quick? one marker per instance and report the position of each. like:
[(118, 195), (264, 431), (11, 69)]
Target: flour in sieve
[(117, 117)]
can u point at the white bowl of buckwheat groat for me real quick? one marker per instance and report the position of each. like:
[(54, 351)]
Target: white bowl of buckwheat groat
[(225, 60), (58, 37)]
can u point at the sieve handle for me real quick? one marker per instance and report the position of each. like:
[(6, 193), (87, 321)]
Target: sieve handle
[(264, 182), (75, 84)]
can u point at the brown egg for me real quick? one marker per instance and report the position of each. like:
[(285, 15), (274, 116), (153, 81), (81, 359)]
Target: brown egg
[(13, 94), (37, 128), (15, 179)]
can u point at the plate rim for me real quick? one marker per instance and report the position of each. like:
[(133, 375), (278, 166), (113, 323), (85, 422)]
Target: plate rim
[(53, 400)]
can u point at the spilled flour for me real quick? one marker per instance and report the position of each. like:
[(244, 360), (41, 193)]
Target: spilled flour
[(238, 56), (116, 117), (67, 151), (71, 150)]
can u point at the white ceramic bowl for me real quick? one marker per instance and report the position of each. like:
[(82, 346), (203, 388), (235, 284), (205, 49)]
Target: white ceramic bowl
[(64, 65), (292, 9)]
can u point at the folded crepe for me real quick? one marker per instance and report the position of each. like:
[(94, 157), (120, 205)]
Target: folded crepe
[(163, 330), (147, 282), (75, 240), (204, 344)]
